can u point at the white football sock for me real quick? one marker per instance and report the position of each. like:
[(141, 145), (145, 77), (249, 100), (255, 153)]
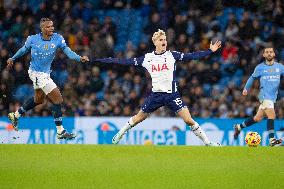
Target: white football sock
[(127, 126), (198, 131), (59, 129)]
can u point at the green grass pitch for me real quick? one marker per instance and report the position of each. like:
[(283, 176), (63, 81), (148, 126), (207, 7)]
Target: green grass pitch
[(134, 167)]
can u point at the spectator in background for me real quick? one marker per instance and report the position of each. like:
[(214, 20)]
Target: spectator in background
[(92, 31), (229, 51), (96, 83), (20, 75), (154, 24)]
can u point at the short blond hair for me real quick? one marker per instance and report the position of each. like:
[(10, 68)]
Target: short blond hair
[(157, 34)]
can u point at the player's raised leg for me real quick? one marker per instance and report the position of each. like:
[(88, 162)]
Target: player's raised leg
[(141, 116), (28, 105), (248, 122), (196, 129), (270, 113), (151, 104), (56, 98)]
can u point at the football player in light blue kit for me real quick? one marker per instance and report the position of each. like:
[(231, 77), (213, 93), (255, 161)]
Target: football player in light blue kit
[(269, 73), (43, 48)]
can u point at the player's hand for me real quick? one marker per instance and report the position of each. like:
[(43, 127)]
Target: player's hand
[(245, 92), (214, 47), (84, 59), (10, 63)]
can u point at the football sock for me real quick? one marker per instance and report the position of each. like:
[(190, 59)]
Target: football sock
[(59, 129), (28, 105), (127, 126), (198, 131), (57, 114), (270, 128), (248, 122)]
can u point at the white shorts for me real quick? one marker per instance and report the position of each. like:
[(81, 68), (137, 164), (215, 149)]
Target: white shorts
[(42, 81), (266, 104)]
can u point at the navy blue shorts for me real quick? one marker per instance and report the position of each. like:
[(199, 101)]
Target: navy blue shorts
[(156, 100)]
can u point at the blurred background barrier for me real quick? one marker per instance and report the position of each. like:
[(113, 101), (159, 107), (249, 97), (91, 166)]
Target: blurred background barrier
[(153, 131)]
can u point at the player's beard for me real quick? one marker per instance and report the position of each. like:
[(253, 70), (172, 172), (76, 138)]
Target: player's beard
[(269, 58)]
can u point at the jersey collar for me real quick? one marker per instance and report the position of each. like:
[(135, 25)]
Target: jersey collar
[(267, 64), (160, 53), (45, 39)]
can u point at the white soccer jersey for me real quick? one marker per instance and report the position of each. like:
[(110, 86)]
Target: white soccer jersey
[(162, 70), (161, 67)]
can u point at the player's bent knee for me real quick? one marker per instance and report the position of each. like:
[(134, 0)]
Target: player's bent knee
[(55, 97), (59, 101), (271, 117)]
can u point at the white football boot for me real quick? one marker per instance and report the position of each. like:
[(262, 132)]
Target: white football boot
[(118, 137), (213, 144)]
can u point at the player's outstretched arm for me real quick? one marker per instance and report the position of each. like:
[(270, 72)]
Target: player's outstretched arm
[(248, 85), (256, 74), (69, 53), (199, 54), (131, 61), (22, 51), (72, 55)]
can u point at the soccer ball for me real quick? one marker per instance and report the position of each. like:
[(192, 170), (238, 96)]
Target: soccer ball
[(253, 139)]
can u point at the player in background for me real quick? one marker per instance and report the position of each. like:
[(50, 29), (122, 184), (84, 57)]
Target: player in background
[(43, 47), (161, 64), (268, 73)]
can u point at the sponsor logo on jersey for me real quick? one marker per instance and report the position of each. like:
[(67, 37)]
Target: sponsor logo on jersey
[(159, 67), (271, 77)]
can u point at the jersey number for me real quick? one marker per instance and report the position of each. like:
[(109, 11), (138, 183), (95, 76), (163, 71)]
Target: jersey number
[(178, 101)]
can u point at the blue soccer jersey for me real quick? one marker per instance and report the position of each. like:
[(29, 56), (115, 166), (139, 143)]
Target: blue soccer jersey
[(269, 77), (43, 51)]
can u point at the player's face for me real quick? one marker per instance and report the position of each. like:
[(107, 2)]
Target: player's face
[(161, 43), (269, 54), (47, 28)]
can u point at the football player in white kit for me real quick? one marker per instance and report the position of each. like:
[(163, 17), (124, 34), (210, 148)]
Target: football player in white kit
[(161, 64)]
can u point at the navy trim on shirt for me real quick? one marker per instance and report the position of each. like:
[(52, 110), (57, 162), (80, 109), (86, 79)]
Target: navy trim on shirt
[(160, 53)]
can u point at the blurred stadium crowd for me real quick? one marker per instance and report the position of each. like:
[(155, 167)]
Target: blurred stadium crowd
[(123, 28)]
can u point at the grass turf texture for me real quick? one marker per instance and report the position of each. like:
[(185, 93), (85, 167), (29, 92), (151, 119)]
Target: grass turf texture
[(94, 166)]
